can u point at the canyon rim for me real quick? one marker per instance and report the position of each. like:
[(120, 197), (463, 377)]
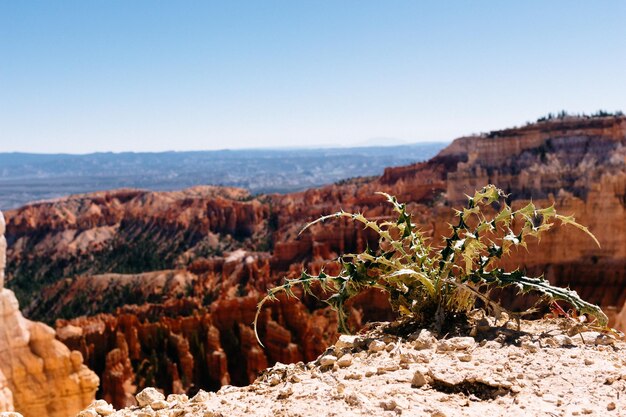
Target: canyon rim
[(158, 289)]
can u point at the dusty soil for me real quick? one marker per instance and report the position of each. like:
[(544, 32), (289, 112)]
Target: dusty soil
[(547, 368)]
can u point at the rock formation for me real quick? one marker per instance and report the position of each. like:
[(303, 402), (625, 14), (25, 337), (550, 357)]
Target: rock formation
[(169, 280), (39, 376)]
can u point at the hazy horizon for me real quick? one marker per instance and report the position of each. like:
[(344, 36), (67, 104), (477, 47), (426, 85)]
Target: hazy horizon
[(312, 147), (83, 77)]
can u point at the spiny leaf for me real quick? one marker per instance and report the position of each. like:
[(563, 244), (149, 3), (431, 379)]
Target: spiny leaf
[(572, 221), (526, 284), (426, 282)]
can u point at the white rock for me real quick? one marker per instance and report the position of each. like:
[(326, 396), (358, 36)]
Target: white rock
[(97, 403), (370, 371), (105, 409), (419, 379), (328, 360), (407, 357), (346, 341), (225, 389), (274, 380), (531, 347), (285, 392), (492, 344), (148, 396), (425, 340), (465, 357), (90, 412), (388, 405), (201, 397), (159, 404), (456, 343), (145, 412), (550, 398), (344, 361), (377, 346), (563, 340)]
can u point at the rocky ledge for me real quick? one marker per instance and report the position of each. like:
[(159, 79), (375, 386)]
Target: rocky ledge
[(545, 368)]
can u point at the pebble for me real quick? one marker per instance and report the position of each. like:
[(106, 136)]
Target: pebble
[(407, 357), (456, 343), (90, 412), (345, 361), (159, 404), (353, 375), (370, 371), (346, 341), (295, 378), (425, 340), (492, 344), (419, 379), (388, 405), (213, 414), (201, 397), (595, 338), (465, 358), (589, 361), (563, 340), (531, 347), (328, 360), (97, 403), (275, 380), (611, 406), (285, 392), (483, 325), (181, 398), (549, 398), (376, 346), (146, 412), (148, 396), (105, 410)]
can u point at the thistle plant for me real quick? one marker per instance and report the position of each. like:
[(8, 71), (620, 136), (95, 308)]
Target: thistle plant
[(425, 283)]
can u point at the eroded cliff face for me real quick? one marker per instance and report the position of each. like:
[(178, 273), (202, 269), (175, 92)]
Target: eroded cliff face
[(39, 376), (169, 281)]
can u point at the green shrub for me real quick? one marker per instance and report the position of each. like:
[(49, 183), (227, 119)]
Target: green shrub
[(429, 284)]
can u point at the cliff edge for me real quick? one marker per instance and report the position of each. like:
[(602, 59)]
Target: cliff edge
[(547, 368)]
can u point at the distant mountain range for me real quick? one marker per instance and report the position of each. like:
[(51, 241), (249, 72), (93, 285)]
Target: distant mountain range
[(28, 177)]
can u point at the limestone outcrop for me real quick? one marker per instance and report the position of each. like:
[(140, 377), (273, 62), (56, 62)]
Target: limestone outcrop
[(39, 376)]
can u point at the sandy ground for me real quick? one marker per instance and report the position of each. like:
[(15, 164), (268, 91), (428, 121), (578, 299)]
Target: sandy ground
[(546, 369)]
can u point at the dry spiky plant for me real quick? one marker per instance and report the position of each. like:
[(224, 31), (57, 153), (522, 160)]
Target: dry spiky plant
[(428, 284)]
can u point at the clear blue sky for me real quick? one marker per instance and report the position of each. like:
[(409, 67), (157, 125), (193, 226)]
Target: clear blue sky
[(82, 76)]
